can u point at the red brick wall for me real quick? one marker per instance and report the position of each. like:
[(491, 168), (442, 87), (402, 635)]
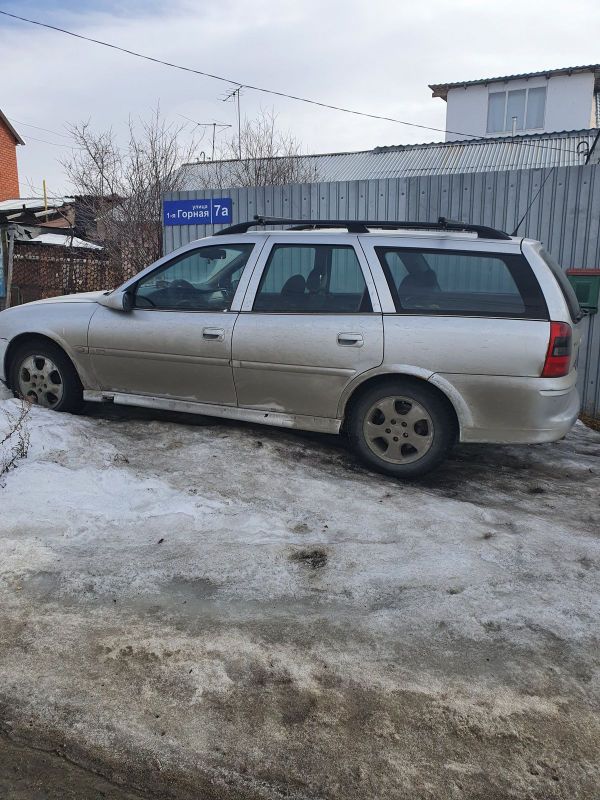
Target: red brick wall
[(9, 176)]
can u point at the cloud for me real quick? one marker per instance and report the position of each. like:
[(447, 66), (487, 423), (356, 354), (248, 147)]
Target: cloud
[(377, 57)]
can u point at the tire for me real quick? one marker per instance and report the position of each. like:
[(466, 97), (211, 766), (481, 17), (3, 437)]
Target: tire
[(402, 428), (41, 371)]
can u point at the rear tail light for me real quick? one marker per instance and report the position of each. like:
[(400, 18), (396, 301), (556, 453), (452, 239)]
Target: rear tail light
[(558, 357)]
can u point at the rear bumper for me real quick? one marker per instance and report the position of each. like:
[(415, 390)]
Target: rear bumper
[(508, 410)]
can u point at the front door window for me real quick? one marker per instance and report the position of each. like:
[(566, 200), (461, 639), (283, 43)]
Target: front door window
[(200, 280)]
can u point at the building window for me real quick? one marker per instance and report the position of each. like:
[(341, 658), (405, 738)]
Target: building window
[(515, 109), (496, 108), (536, 106), (525, 106)]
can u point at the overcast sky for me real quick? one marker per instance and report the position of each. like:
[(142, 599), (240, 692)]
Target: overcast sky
[(377, 56)]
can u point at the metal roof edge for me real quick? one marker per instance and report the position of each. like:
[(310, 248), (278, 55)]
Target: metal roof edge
[(275, 158), (441, 89), (422, 145), (484, 140)]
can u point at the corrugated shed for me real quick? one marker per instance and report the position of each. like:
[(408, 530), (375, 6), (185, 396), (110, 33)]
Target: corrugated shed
[(438, 158)]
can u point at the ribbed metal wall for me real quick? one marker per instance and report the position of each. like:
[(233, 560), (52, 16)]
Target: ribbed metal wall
[(565, 215)]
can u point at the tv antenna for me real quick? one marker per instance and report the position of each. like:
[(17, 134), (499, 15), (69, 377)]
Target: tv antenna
[(234, 94), (221, 126)]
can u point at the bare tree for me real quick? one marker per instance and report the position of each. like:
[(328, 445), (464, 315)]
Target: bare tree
[(121, 189), (269, 157), (14, 443)]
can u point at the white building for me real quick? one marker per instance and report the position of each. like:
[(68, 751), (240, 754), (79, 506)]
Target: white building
[(565, 99)]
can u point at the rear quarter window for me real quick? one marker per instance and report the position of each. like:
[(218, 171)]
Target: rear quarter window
[(565, 286), (462, 283)]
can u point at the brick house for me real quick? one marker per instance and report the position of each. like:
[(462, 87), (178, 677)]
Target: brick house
[(9, 174)]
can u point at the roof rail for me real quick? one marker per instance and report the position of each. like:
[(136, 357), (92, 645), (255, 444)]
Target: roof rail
[(365, 226)]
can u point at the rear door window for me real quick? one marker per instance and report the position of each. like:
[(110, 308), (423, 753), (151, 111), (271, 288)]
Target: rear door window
[(324, 279), (464, 283)]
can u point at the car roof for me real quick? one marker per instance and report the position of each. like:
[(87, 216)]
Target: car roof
[(405, 233)]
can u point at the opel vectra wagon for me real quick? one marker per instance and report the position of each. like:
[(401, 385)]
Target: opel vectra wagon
[(404, 336)]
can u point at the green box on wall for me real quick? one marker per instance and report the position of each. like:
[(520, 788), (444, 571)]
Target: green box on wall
[(586, 283)]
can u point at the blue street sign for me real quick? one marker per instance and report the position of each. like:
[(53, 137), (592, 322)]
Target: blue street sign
[(197, 212)]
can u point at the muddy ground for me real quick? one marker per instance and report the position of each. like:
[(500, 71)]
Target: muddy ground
[(28, 773), (192, 609)]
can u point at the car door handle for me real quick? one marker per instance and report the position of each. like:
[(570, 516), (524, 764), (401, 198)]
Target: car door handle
[(213, 334), (350, 339)]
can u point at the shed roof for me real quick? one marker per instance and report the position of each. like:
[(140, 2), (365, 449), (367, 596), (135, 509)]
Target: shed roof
[(32, 204), (4, 119), (535, 151), (63, 240), (441, 89)]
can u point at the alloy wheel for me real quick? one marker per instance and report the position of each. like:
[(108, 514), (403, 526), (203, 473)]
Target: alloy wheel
[(40, 381), (398, 430)]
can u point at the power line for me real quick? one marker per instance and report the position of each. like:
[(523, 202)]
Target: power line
[(241, 85), (54, 144), (37, 127)]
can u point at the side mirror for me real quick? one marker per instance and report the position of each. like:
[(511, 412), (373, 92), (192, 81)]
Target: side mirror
[(118, 301)]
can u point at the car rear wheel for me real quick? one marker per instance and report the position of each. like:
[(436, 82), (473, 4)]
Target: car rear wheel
[(403, 428), (43, 374)]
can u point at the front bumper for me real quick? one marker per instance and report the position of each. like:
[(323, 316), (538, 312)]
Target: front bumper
[(3, 349)]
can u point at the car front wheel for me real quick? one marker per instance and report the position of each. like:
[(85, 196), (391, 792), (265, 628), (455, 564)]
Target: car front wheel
[(41, 373), (403, 428)]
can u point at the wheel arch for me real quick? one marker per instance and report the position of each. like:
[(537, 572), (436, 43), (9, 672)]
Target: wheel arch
[(32, 336), (454, 401)]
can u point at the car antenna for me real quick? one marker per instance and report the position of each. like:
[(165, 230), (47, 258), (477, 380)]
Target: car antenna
[(535, 197)]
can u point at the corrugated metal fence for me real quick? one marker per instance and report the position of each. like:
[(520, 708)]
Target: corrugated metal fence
[(565, 215)]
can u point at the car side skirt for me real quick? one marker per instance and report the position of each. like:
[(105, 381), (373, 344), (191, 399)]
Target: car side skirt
[(258, 416)]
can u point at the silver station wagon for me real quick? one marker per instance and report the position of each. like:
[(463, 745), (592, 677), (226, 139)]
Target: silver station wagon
[(405, 336)]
